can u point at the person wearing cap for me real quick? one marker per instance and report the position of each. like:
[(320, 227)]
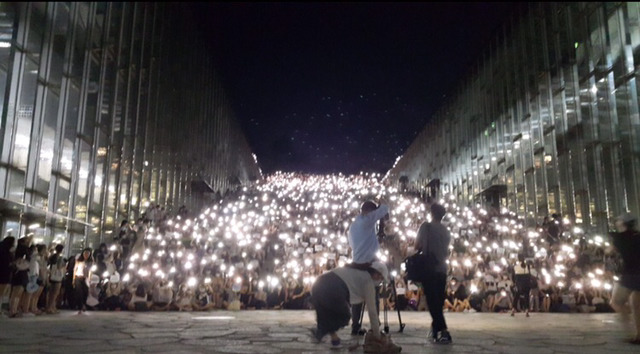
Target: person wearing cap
[(433, 240), (334, 291), (625, 297), (364, 247)]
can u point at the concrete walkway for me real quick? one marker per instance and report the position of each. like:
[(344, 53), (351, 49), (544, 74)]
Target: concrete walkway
[(286, 332)]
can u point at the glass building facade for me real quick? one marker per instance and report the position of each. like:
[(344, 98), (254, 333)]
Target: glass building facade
[(547, 121), (106, 108)]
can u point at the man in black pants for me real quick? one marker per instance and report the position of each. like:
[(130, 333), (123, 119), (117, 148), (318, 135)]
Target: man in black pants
[(433, 239)]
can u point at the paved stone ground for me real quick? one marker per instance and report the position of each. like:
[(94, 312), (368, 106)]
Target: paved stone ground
[(286, 332)]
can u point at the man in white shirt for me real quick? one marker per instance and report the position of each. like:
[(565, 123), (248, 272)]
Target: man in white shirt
[(364, 247)]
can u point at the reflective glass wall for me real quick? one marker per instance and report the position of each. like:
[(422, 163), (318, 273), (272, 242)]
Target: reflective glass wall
[(107, 108), (547, 122)]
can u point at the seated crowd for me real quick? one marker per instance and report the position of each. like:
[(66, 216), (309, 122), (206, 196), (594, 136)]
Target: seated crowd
[(164, 263)]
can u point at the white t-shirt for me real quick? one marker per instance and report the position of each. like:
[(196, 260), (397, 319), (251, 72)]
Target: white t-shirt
[(490, 282), (505, 284)]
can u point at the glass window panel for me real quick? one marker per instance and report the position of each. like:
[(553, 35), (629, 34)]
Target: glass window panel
[(79, 43), (541, 190), (16, 185), (24, 115), (98, 23), (100, 166), (62, 197), (48, 141), (82, 181), (154, 185), (36, 28), (73, 106), (7, 15), (59, 43), (530, 190)]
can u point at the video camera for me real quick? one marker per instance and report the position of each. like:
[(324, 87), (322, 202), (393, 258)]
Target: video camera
[(382, 235)]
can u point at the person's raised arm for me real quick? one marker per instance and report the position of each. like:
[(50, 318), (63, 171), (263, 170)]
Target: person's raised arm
[(379, 213)]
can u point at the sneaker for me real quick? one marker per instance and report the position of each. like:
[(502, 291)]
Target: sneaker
[(431, 335), (336, 344), (443, 338), (314, 335)]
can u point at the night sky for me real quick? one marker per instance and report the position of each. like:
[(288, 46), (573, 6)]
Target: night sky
[(342, 87)]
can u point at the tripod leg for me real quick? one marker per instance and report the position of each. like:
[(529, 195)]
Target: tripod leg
[(395, 296), (386, 318)]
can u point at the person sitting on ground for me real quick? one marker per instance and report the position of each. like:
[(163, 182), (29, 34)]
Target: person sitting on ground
[(139, 300), (503, 302), (413, 297), (162, 296), (184, 299), (461, 298), (260, 299), (401, 301), (93, 298), (449, 299), (296, 297), (113, 292), (202, 298)]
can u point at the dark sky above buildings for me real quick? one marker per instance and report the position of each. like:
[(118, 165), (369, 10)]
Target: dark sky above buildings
[(342, 87)]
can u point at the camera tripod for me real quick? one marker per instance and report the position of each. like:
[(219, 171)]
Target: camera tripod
[(385, 315), (382, 237)]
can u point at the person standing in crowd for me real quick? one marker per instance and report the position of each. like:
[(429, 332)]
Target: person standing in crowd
[(43, 278), (81, 273), (33, 284), (331, 296), (522, 278), (6, 260), (433, 239), (553, 229), (124, 238), (364, 247), (625, 298), (57, 267), (20, 276)]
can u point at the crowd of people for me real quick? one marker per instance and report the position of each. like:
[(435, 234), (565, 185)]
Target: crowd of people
[(264, 246)]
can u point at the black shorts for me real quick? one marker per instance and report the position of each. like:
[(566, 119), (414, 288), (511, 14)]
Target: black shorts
[(20, 278)]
